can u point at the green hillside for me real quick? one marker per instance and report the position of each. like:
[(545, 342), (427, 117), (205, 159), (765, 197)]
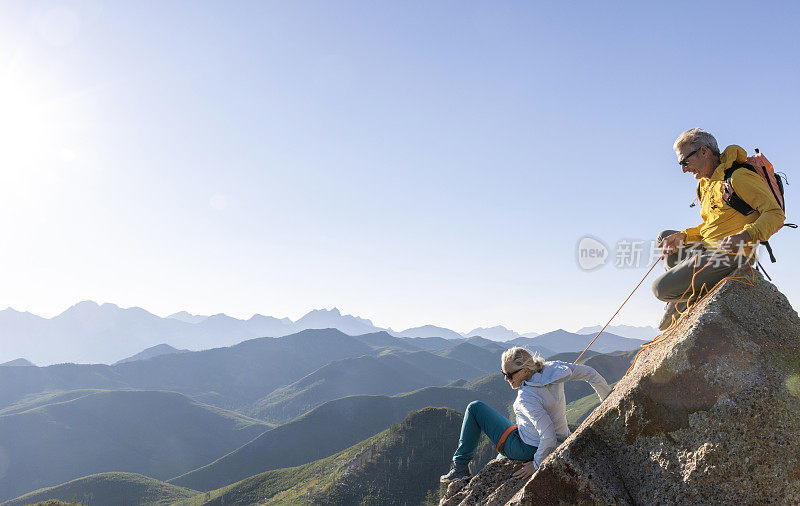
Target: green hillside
[(159, 434), (336, 425), (107, 489), (489, 344), (484, 359), (320, 427), (389, 373), (430, 343), (385, 340), (56, 502), (397, 466), (229, 378), (612, 366), (570, 356), (578, 410), (36, 400)]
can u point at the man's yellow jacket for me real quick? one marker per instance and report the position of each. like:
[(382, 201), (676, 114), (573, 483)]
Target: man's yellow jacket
[(721, 220)]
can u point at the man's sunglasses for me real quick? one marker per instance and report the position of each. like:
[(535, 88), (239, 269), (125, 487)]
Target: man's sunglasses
[(685, 161), (510, 375)]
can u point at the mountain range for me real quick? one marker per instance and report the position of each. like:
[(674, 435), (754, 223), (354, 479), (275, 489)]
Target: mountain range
[(71, 420), (236, 376), (561, 341), (386, 374), (105, 334)]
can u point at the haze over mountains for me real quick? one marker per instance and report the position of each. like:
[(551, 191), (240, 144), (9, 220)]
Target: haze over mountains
[(105, 334)]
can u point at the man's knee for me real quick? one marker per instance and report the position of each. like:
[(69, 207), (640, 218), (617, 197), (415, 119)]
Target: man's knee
[(665, 291)]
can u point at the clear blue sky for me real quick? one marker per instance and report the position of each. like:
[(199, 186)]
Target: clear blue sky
[(408, 162)]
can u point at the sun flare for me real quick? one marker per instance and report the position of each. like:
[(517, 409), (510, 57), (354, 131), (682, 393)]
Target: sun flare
[(27, 126), (36, 131)]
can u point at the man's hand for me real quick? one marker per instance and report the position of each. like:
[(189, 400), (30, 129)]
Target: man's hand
[(525, 471), (735, 242), (671, 243)]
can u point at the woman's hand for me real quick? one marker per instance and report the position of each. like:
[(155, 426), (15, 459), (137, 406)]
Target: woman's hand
[(525, 471)]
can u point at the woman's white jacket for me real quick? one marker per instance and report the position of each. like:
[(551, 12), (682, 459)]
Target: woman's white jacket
[(541, 408)]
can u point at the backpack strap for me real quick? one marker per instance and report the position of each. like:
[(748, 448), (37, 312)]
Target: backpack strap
[(771, 255), (760, 267), (729, 196)]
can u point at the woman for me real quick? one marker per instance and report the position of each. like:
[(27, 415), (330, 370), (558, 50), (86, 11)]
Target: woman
[(540, 409)]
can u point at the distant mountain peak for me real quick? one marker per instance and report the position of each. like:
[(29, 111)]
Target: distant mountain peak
[(187, 317), (430, 331), (323, 318), (220, 316), (85, 304), (330, 312), (151, 352), (20, 362), (82, 308), (496, 333)]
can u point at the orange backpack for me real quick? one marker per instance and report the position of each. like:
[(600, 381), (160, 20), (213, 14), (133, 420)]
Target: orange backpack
[(759, 164)]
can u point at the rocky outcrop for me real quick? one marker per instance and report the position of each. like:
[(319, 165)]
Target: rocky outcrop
[(710, 414), (493, 485)]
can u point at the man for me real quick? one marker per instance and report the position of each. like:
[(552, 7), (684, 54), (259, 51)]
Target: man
[(726, 239)]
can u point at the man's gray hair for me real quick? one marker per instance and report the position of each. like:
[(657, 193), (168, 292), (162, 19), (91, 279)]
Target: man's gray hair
[(694, 138)]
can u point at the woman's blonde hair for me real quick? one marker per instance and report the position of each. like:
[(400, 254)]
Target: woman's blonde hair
[(521, 357)]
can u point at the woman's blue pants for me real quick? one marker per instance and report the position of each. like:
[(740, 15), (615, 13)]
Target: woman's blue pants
[(478, 418)]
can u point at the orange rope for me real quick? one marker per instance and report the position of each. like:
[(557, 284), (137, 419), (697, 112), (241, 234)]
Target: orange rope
[(620, 308), (750, 281)]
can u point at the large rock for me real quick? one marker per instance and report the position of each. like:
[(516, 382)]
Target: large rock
[(710, 414)]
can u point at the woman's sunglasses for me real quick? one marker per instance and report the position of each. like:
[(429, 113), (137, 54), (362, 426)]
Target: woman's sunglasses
[(510, 375)]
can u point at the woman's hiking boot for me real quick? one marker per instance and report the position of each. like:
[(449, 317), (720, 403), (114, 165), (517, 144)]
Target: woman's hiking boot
[(457, 472)]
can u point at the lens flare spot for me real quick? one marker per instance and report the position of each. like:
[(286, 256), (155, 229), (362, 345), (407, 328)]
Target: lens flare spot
[(793, 384)]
